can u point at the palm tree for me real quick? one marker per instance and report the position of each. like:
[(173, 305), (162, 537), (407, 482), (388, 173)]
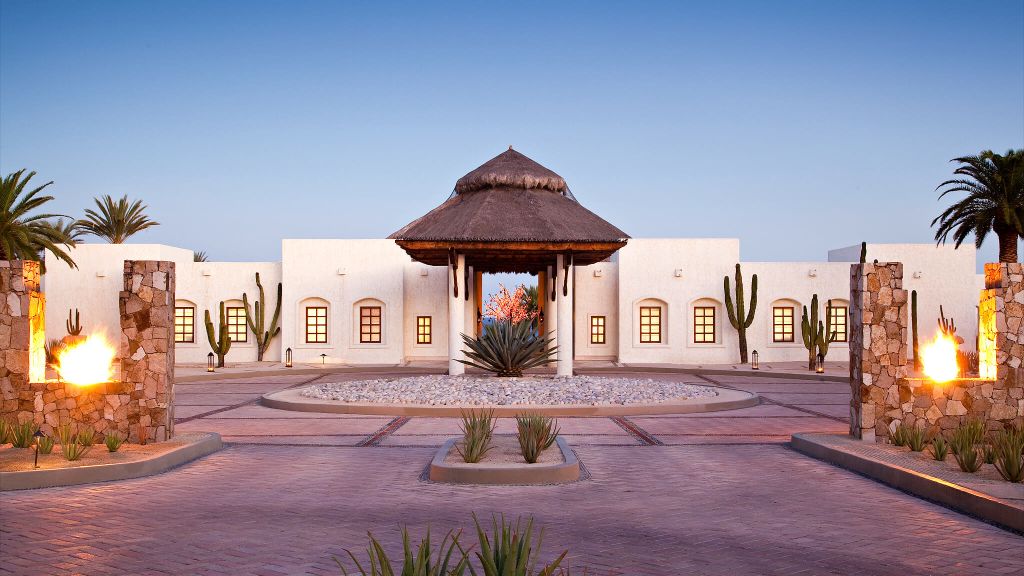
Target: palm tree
[(70, 228), (994, 184), (116, 221), (24, 235)]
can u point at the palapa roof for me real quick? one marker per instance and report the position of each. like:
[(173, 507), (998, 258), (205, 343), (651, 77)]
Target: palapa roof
[(510, 214)]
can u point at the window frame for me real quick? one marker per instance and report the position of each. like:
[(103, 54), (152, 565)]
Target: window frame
[(845, 320), (191, 325), (598, 330), (317, 325), (791, 325), (704, 325), (649, 325), (366, 336), (424, 330), (239, 314)]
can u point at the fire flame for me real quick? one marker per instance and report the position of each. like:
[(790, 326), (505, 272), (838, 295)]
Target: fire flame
[(939, 359), (87, 362)]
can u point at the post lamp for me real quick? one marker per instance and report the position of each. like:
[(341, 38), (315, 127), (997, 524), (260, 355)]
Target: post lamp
[(754, 364), (288, 358), (819, 364), (35, 444), (209, 362), (323, 358)]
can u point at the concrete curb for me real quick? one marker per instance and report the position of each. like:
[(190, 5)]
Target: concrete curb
[(207, 443), (722, 372), (727, 399), (958, 498), (517, 474)]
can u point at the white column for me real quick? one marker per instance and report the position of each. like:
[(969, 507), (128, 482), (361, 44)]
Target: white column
[(456, 316), (550, 310), (564, 314)]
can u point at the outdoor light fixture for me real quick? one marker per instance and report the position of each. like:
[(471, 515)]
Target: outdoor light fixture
[(323, 358), (754, 365), (39, 434), (209, 362), (819, 364), (288, 358)]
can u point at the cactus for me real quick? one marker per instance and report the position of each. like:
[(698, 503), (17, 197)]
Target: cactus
[(863, 252), (913, 330), (946, 325), (816, 337), (257, 321), (738, 316), (220, 344), (74, 328)]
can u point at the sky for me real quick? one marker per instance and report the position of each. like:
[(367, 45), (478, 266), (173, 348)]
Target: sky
[(796, 127)]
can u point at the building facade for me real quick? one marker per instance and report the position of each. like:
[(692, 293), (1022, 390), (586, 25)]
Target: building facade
[(367, 302)]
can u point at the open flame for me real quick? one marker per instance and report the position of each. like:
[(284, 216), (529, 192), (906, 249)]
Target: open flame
[(87, 362), (939, 359)]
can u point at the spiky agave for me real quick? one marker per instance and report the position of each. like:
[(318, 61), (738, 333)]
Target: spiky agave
[(507, 348)]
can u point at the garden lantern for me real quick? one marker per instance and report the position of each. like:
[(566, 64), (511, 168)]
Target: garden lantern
[(819, 364), (35, 442), (323, 358), (209, 362), (288, 358), (754, 365)]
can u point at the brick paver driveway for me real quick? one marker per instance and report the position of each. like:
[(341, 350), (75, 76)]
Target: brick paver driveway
[(715, 493)]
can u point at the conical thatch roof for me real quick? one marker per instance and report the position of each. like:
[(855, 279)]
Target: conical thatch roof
[(510, 214)]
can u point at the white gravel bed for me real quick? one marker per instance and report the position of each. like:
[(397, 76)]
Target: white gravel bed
[(443, 390)]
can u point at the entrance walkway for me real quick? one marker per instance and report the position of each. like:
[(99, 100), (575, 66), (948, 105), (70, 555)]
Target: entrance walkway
[(715, 493)]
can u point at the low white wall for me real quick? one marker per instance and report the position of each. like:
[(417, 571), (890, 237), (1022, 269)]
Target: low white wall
[(596, 294)]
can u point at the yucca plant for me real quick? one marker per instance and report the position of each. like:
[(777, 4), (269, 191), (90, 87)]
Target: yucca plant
[(896, 436), (964, 446), (46, 444), (536, 433), (509, 551), (86, 436), (21, 435), (939, 448), (477, 432), (450, 559), (5, 431), (113, 441), (506, 348), (1009, 454), (914, 437)]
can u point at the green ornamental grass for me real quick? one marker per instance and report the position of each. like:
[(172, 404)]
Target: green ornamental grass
[(113, 441), (509, 551), (21, 435), (1009, 454), (965, 446), (940, 448), (477, 433), (46, 444), (86, 436), (536, 433), (5, 431), (450, 559)]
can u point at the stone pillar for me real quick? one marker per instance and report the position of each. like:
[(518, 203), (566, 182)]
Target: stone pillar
[(563, 297), (456, 315), (22, 355), (878, 347), (1004, 293), (147, 347)]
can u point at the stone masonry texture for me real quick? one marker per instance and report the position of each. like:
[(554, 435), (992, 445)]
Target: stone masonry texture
[(21, 355)]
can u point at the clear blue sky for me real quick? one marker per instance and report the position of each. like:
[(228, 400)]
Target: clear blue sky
[(794, 126)]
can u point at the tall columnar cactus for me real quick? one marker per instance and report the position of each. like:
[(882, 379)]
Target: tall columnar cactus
[(816, 337), (863, 252), (913, 330), (222, 343), (75, 327), (257, 320), (826, 334), (739, 317)]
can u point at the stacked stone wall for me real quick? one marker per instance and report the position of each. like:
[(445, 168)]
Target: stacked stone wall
[(22, 357)]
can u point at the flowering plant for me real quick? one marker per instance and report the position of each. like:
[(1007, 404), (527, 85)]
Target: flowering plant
[(509, 306)]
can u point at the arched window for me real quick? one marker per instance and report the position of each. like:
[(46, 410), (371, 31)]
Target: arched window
[(184, 322), (369, 320), (839, 316), (314, 313), (784, 320), (238, 330), (706, 318), (651, 321)]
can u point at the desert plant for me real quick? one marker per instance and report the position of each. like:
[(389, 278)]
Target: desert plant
[(913, 330), (536, 433), (257, 320), (863, 252), (814, 333), (74, 451), (740, 318), (199, 256), (45, 444), (1009, 454), (116, 221), (823, 342), (968, 361), (914, 438), (24, 235), (506, 348), (222, 343), (477, 432), (939, 448), (53, 348), (113, 441), (994, 184), (5, 431), (988, 453), (21, 435), (450, 559), (896, 436), (74, 327), (65, 433), (964, 446), (509, 551), (947, 325), (86, 436)]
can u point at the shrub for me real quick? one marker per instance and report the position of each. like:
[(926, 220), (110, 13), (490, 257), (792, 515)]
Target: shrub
[(939, 448), (5, 431), (74, 451), (86, 436), (964, 446), (507, 348), (113, 441), (46, 444), (65, 434), (477, 431), (536, 434), (914, 437), (53, 348), (511, 552), (421, 563), (21, 435), (988, 453), (1009, 461)]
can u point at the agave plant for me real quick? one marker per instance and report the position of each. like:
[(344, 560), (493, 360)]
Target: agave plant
[(965, 446), (5, 431), (450, 559), (477, 432), (914, 437), (507, 348), (939, 448), (45, 445), (113, 441), (1009, 454), (536, 434), (509, 550), (53, 348), (22, 435)]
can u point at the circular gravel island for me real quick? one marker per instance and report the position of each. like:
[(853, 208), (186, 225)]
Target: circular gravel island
[(443, 395)]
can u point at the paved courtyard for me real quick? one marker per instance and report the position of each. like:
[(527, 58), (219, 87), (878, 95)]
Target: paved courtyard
[(716, 493)]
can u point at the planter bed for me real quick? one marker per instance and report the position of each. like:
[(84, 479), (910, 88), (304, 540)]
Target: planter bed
[(504, 465)]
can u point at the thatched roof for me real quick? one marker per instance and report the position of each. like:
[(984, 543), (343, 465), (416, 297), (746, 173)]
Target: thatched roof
[(511, 198)]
